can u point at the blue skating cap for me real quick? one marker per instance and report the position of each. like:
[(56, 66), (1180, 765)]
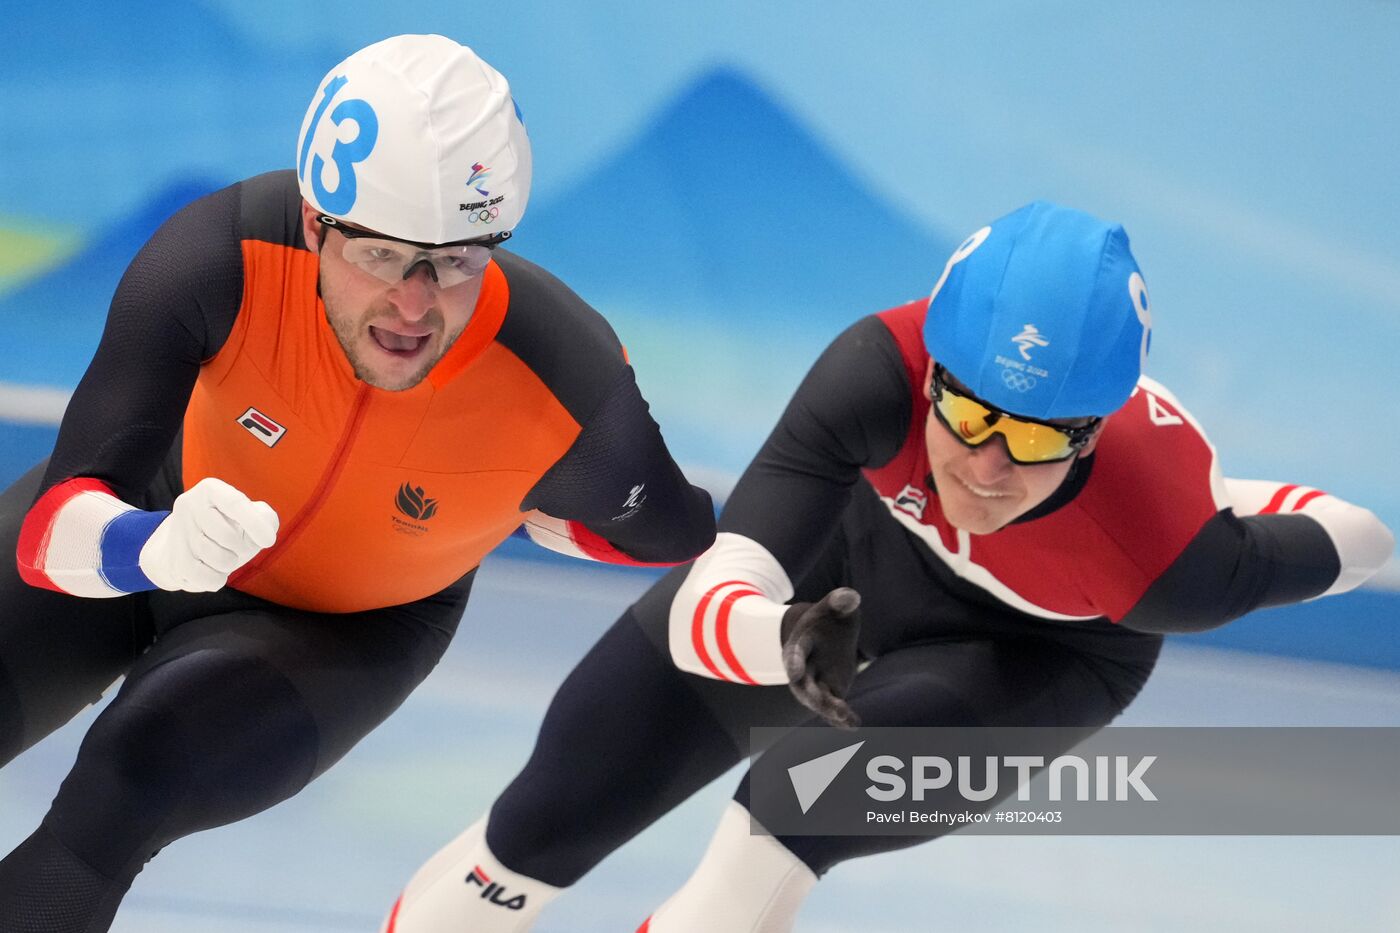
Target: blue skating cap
[(1044, 314)]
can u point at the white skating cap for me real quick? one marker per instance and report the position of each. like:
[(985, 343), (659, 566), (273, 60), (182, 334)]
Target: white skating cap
[(418, 138)]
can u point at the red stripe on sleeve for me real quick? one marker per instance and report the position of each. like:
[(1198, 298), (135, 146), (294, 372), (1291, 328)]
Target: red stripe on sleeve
[(646, 925), (34, 534), (1308, 498), (1276, 502), (598, 548), (697, 628), (722, 635)]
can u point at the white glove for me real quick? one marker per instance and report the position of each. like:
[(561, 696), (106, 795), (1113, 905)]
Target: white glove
[(212, 530)]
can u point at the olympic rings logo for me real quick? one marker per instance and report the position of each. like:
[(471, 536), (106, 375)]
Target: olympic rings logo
[(486, 215), (1020, 382)]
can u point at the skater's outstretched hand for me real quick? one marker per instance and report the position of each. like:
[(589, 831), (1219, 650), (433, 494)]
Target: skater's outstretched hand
[(819, 653)]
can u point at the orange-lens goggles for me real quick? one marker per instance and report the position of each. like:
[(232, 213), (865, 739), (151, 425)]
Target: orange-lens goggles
[(1028, 441)]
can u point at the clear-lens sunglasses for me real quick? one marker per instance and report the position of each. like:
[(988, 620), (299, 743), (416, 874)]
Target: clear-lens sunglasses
[(393, 260)]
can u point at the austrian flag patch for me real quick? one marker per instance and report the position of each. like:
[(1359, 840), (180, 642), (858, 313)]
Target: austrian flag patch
[(262, 427)]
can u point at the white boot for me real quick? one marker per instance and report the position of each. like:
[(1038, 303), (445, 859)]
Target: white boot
[(463, 889), (744, 884)]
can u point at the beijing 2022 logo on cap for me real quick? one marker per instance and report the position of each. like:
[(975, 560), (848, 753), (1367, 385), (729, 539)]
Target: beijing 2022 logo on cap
[(1029, 337), (479, 174), (481, 212), (345, 154)]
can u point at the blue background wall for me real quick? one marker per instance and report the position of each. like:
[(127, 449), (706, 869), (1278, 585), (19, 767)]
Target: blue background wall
[(731, 186)]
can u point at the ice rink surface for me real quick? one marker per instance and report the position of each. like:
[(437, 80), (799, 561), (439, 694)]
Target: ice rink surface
[(334, 857)]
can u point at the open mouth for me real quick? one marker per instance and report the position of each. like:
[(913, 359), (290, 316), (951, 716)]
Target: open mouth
[(405, 345)]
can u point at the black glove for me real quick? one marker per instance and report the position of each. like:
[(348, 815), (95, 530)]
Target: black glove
[(819, 653)]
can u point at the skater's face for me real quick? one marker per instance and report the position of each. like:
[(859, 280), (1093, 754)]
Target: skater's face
[(981, 489), (393, 329)]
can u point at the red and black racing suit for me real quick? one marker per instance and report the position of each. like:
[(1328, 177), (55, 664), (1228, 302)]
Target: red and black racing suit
[(1054, 620)]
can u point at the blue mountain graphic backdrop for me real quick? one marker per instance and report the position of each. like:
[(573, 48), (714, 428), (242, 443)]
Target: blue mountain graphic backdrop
[(720, 244), (727, 209)]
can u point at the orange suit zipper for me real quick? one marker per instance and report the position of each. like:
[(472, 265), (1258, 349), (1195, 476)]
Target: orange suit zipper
[(290, 531)]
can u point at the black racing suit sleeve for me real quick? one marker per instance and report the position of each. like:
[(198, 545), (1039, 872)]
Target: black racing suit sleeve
[(619, 481), (172, 310), (1235, 565), (852, 410)]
